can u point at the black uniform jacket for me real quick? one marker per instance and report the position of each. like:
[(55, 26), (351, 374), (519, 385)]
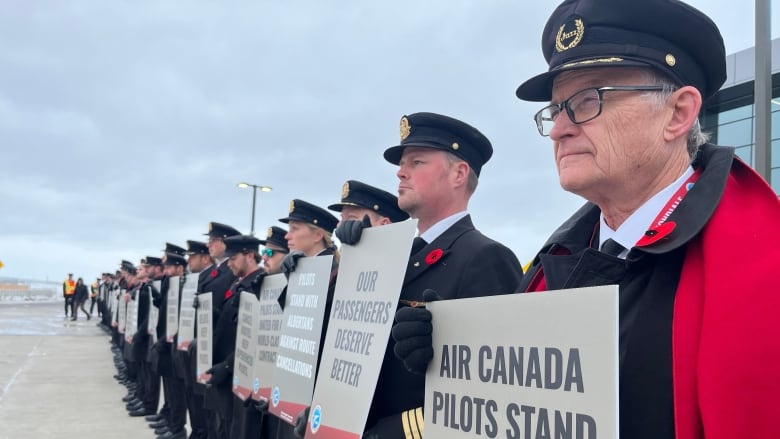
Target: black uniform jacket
[(461, 262), (648, 279), (141, 338)]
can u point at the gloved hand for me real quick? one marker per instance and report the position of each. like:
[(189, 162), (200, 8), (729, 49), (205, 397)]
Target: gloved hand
[(257, 282), (220, 373), (195, 302), (290, 261), (349, 232), (300, 422), (386, 428), (412, 334), (261, 406)]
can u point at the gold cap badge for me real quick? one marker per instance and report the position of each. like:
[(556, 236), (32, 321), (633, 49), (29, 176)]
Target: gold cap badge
[(455, 146), (670, 60), (345, 191), (270, 232), (292, 206), (406, 129), (566, 40)]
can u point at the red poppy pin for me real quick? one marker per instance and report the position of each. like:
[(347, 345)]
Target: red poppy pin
[(433, 256), (228, 294), (214, 273)]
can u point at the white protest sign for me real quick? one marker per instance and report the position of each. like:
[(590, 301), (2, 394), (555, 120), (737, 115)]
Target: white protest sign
[(114, 309), (187, 312), (122, 318), (132, 318), (246, 345), (205, 333), (525, 365), (172, 311), (154, 313), (299, 343), (269, 328), (370, 278)]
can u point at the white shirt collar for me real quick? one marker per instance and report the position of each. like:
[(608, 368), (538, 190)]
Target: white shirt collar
[(440, 227), (635, 226)]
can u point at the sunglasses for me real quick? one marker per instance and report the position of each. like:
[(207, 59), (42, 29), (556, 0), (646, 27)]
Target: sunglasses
[(269, 252)]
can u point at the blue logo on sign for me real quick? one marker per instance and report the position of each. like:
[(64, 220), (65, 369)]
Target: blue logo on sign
[(689, 186), (316, 418), (256, 385), (235, 382), (275, 396)]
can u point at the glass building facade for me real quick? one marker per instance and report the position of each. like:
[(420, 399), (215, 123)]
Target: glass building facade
[(729, 116)]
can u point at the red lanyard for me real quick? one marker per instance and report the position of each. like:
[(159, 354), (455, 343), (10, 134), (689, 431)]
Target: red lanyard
[(655, 231)]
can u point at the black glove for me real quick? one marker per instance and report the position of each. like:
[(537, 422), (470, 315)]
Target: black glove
[(349, 232), (195, 302), (412, 334), (300, 422), (257, 282), (290, 261), (261, 406), (386, 428), (220, 373)]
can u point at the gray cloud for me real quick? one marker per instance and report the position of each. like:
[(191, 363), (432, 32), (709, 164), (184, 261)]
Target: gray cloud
[(127, 124)]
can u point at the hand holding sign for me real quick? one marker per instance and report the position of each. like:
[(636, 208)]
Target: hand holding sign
[(290, 261), (300, 422), (412, 335), (349, 232)]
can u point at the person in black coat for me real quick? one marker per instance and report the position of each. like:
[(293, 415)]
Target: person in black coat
[(217, 282), (79, 298), (439, 162), (243, 259)]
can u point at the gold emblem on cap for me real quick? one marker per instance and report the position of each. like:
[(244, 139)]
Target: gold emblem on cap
[(406, 129), (573, 37), (292, 206), (455, 146), (376, 207), (670, 60), (270, 232), (345, 191), (211, 227), (314, 220)]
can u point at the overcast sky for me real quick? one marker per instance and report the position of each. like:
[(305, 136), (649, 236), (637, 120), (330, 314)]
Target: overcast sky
[(124, 125)]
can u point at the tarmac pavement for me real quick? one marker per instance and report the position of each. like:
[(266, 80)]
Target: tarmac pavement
[(56, 377)]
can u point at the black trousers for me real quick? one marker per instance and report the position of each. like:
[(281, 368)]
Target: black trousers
[(198, 415), (247, 421), (151, 384), (174, 395)]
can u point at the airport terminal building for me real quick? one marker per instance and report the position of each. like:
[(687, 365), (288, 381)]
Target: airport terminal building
[(730, 116)]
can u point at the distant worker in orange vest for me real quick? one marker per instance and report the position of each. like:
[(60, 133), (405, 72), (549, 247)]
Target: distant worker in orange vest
[(68, 288)]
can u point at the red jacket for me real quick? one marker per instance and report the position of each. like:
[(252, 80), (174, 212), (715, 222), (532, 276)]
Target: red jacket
[(726, 328)]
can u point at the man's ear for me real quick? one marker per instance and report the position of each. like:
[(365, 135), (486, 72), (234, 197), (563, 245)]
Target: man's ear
[(685, 104)]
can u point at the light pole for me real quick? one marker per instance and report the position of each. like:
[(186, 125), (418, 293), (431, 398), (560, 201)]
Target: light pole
[(254, 187)]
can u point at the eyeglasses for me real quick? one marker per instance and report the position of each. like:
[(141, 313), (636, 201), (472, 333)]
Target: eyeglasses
[(583, 106), (269, 252)]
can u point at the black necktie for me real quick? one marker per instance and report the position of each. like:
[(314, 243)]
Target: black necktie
[(418, 245), (612, 247)]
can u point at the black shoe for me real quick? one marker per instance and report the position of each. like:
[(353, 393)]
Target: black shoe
[(154, 418), (140, 412), (133, 406), (161, 430), (129, 397), (89, 316), (181, 434), (158, 424)]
